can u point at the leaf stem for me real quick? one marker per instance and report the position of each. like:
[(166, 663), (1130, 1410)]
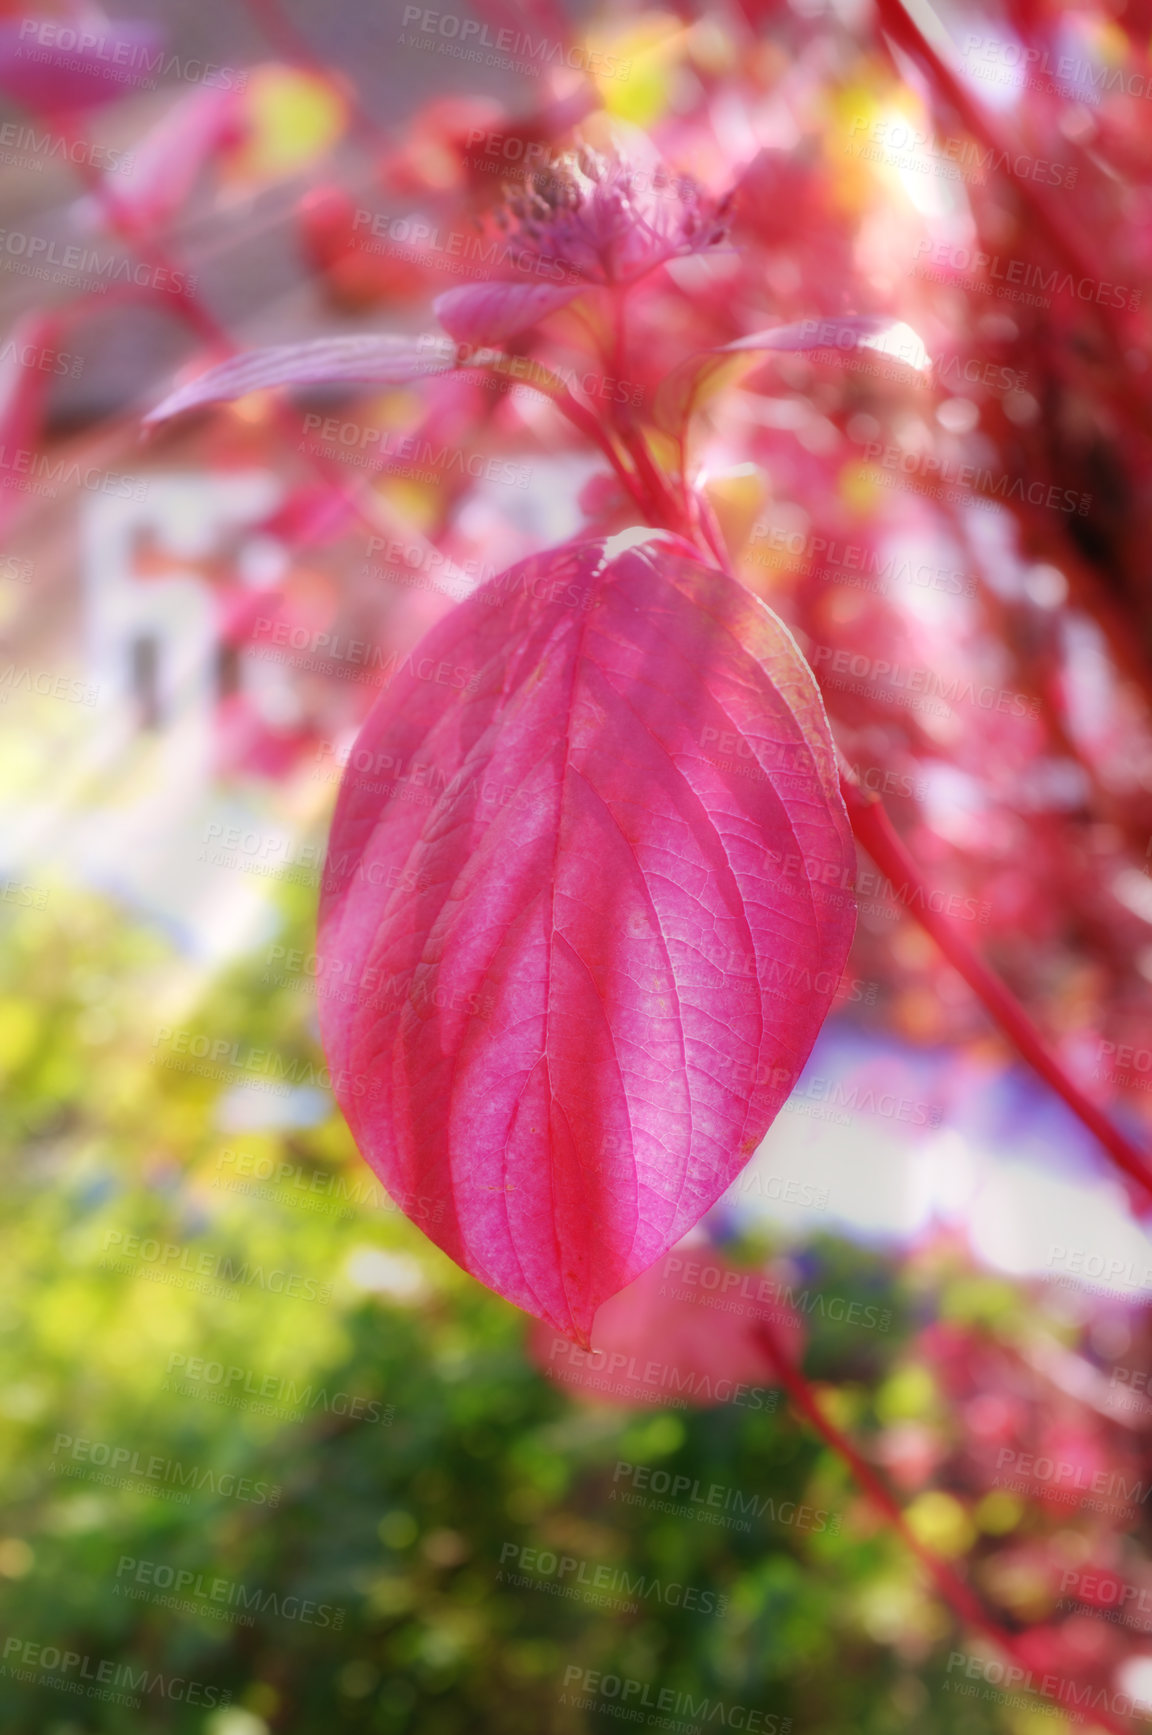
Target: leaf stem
[(874, 830), (955, 1590)]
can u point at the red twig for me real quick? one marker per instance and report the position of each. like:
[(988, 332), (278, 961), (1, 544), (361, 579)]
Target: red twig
[(900, 25), (955, 1590), (874, 830)]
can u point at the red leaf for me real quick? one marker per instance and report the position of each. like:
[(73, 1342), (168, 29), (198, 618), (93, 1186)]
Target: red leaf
[(383, 360), (387, 360), (568, 877), (492, 312)]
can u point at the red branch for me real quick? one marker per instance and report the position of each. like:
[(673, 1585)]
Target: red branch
[(955, 1590), (875, 832), (898, 22)]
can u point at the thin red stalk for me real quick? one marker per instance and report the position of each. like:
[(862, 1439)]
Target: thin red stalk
[(710, 529), (903, 28), (586, 422), (660, 497), (662, 503), (955, 1590), (874, 830)]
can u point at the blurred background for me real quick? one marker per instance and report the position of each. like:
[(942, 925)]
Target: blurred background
[(272, 1462)]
